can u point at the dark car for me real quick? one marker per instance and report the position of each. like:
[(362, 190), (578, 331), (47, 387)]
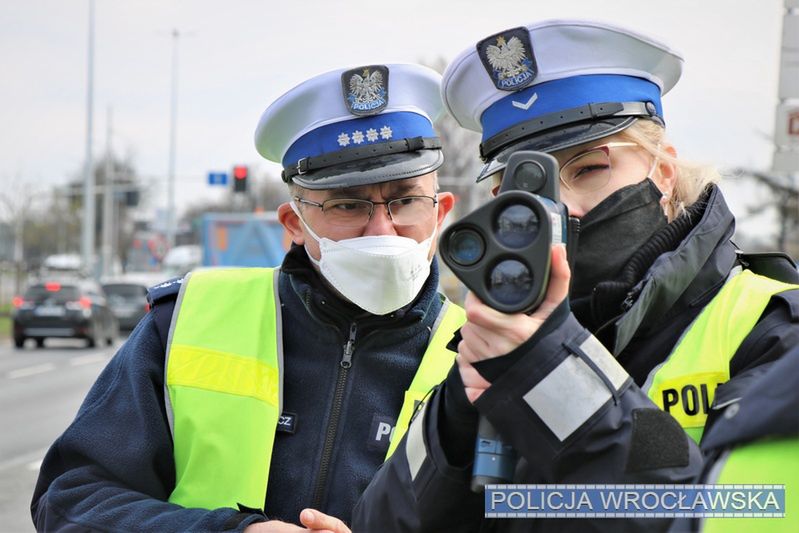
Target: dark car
[(66, 309), (128, 301)]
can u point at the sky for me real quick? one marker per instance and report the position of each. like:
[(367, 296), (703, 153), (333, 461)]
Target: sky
[(237, 56)]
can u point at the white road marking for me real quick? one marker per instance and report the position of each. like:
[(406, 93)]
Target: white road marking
[(30, 371), (25, 459), (87, 359)]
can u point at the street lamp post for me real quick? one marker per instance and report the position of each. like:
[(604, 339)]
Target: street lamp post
[(87, 240), (108, 202), (170, 208)]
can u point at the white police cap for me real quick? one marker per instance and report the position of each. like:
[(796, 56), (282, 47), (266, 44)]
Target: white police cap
[(557, 84), (352, 127)]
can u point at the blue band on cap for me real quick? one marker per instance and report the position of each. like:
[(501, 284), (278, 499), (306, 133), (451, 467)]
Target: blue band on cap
[(364, 131), (566, 93)]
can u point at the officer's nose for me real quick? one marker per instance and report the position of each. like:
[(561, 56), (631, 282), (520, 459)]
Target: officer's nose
[(380, 223), (576, 204)]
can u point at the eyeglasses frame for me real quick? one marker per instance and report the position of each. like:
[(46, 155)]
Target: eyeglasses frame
[(372, 203), (603, 148)]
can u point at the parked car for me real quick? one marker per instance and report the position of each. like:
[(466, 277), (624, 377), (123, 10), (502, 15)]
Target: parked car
[(66, 308), (180, 260), (127, 298)]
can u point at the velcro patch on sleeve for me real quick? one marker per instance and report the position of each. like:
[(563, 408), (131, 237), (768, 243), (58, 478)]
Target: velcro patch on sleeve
[(658, 441)]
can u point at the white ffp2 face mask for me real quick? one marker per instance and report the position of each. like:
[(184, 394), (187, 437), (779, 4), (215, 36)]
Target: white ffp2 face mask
[(378, 273)]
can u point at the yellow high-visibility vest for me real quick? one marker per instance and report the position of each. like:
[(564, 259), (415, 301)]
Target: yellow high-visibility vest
[(224, 384), (770, 461), (684, 385)]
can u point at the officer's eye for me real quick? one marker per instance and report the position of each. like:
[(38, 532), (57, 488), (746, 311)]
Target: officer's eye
[(585, 165), (588, 169), (403, 201)]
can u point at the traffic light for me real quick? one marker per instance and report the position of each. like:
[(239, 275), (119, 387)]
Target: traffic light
[(132, 198), (240, 178)]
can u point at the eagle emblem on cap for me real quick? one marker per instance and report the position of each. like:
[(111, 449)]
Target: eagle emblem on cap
[(508, 59), (365, 89)]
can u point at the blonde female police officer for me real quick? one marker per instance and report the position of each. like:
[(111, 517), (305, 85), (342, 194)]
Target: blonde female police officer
[(613, 384), (248, 395)]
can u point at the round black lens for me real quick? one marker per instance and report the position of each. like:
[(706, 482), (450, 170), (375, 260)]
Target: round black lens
[(466, 247), (529, 176), (510, 282), (516, 226)]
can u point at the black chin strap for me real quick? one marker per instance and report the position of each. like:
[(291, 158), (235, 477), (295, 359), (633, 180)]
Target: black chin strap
[(559, 119)]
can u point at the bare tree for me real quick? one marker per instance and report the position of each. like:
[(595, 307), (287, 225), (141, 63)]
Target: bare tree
[(783, 198), (16, 207), (457, 175), (271, 192), (192, 217), (128, 194), (461, 157)]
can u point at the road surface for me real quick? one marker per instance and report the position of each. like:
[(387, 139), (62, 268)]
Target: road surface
[(40, 392)]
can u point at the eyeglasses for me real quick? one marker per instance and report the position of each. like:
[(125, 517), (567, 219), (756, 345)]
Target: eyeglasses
[(585, 172), (590, 170), (356, 213)]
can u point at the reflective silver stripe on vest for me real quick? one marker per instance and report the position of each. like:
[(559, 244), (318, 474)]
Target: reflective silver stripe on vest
[(440, 318), (713, 476), (278, 338), (569, 395), (415, 451), (170, 415)]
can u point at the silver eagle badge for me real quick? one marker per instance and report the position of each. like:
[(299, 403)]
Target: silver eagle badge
[(365, 89), (508, 58)]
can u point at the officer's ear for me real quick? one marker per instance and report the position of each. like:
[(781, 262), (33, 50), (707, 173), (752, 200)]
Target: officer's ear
[(666, 174), (290, 221), (446, 201)]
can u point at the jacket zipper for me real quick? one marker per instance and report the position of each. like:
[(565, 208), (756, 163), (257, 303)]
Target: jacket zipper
[(630, 299), (335, 415)]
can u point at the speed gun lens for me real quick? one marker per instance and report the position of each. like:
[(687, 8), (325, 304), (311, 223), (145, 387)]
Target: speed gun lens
[(529, 176), (466, 247), (516, 226), (510, 282)]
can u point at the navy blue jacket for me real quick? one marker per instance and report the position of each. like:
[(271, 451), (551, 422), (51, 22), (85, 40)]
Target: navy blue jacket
[(112, 469), (424, 486)]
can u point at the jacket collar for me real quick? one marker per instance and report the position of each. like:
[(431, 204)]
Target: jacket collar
[(699, 264)]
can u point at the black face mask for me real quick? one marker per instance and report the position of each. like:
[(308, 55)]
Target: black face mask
[(611, 232)]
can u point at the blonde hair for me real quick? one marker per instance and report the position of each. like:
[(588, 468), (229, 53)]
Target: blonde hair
[(692, 178)]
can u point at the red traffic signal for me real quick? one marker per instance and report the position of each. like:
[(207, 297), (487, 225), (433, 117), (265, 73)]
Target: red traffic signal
[(240, 173)]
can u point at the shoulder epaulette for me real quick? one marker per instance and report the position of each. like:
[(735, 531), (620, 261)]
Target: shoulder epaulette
[(167, 290)]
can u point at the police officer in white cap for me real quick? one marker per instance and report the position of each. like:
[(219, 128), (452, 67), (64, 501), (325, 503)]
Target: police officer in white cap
[(612, 378), (275, 394)]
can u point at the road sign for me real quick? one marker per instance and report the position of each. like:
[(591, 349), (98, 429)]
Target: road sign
[(217, 178), (789, 56), (786, 126), (785, 161)]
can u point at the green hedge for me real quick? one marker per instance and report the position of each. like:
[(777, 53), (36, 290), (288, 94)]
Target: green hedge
[(5, 321)]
